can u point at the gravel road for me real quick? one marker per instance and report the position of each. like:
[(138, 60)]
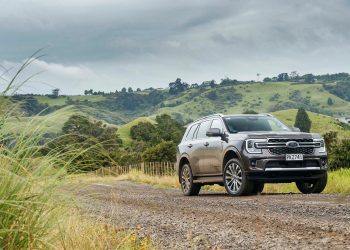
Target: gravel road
[(216, 220)]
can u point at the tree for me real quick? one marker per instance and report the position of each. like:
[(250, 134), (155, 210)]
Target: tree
[(302, 121), (294, 76), (283, 77), (92, 143), (250, 112), (177, 86), (138, 90), (55, 92), (309, 78), (86, 92), (130, 90), (165, 151), (329, 101), (124, 90), (267, 79), (228, 81)]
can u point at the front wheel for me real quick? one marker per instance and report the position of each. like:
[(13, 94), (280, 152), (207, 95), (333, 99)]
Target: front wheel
[(312, 187), (235, 180), (186, 178)]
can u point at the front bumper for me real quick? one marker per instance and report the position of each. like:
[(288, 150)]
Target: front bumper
[(277, 169)]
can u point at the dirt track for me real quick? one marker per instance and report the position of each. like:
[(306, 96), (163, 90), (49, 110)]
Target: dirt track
[(292, 221)]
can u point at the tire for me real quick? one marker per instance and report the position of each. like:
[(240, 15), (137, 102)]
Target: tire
[(186, 180), (235, 179), (258, 187), (313, 187)]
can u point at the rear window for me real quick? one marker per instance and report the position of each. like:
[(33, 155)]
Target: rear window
[(191, 131)]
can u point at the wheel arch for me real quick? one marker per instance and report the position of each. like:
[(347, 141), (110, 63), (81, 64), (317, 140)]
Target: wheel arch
[(183, 160), (230, 153)]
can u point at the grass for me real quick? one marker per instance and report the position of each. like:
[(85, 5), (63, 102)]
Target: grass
[(338, 182), (34, 212), (320, 123), (256, 96), (83, 233), (59, 101)]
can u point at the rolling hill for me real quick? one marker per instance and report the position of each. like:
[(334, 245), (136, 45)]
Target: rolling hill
[(126, 109)]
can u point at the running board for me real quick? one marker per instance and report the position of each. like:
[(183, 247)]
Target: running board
[(209, 179)]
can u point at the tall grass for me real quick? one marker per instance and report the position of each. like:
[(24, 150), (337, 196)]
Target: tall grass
[(30, 209), (33, 212)]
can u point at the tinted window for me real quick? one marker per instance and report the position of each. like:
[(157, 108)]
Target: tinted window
[(237, 124), (190, 133), (216, 124), (203, 128)]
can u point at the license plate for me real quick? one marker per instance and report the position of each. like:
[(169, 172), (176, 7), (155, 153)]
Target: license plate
[(294, 157)]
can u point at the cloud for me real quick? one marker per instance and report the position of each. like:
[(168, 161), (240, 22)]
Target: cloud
[(108, 44)]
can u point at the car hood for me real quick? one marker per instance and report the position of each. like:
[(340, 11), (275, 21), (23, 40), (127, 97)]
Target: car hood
[(266, 135)]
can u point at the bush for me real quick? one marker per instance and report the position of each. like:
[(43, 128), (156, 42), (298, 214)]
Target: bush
[(302, 121), (162, 152), (339, 156)]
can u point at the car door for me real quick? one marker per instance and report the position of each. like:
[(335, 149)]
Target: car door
[(212, 148), (198, 157)]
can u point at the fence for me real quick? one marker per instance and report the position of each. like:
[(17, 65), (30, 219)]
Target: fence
[(149, 168)]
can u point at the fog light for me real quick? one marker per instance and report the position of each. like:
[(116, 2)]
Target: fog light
[(323, 162), (253, 163)]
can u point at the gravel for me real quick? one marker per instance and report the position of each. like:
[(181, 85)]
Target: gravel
[(216, 220)]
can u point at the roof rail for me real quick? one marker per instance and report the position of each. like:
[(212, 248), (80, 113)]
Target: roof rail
[(209, 116)]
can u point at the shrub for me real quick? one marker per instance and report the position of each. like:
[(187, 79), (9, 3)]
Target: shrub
[(162, 152), (339, 156), (302, 121)]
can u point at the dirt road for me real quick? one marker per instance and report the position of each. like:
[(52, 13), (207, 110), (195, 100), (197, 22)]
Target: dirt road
[(281, 221)]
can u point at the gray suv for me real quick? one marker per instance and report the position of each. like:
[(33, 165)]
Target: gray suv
[(243, 152)]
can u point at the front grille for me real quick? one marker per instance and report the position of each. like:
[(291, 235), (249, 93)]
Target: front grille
[(282, 149), (291, 139), (285, 150)]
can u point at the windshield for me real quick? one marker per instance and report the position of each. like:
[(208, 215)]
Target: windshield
[(237, 124)]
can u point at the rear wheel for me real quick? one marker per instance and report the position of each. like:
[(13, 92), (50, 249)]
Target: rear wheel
[(235, 180), (312, 187), (186, 178)]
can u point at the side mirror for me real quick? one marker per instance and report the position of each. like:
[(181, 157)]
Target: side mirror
[(294, 129), (214, 132)]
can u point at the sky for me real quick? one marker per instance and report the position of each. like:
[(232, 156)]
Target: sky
[(106, 45)]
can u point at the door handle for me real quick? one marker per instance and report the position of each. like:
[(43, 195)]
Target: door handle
[(206, 144), (189, 145)]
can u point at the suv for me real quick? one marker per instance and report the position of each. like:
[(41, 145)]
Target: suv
[(243, 152)]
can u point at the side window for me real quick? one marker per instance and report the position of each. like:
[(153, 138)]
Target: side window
[(216, 124), (191, 131), (203, 128)]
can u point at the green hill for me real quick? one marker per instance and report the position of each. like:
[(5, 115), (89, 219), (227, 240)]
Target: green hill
[(280, 98), (320, 123)]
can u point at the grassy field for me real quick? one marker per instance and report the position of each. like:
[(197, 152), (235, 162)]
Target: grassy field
[(320, 123), (62, 99), (257, 96), (338, 182)]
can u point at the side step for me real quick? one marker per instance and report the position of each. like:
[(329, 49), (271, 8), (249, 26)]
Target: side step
[(209, 179)]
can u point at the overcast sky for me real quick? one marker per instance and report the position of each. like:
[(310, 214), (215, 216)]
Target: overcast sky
[(105, 44)]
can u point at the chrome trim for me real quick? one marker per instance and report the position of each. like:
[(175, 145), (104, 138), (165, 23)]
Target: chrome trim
[(292, 169), (284, 144)]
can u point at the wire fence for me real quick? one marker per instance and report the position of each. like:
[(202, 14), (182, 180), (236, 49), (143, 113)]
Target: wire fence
[(149, 168)]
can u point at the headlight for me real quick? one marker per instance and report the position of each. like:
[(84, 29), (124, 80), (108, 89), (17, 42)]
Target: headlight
[(251, 147), (322, 148)]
